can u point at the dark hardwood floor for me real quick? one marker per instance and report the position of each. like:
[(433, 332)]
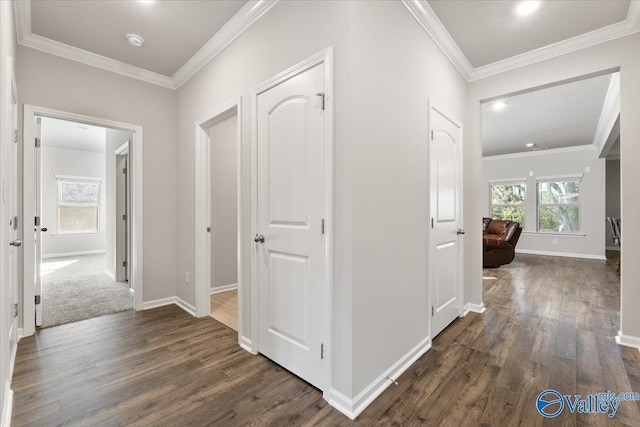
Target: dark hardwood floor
[(550, 323)]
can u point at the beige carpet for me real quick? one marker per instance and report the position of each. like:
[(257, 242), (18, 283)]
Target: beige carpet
[(77, 288)]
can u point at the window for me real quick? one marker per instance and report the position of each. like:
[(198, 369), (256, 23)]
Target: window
[(508, 200), (559, 206), (78, 204)]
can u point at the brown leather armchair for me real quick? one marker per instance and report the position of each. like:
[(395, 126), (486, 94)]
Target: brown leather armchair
[(499, 238)]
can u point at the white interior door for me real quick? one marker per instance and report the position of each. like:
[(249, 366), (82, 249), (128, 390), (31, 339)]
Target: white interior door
[(122, 218), (445, 206), (37, 229), (14, 233), (290, 245)]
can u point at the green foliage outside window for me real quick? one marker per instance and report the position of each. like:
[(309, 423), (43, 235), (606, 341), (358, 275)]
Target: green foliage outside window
[(559, 206), (507, 202)]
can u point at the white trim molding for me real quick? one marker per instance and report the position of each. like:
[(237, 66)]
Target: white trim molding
[(561, 254), (551, 151), (430, 22), (609, 114), (148, 305), (236, 26), (81, 253), (224, 288), (353, 407), (628, 341), (7, 405), (471, 307), (185, 306)]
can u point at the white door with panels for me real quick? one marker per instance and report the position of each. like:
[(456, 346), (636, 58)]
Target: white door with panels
[(38, 229), (445, 141), (291, 244)]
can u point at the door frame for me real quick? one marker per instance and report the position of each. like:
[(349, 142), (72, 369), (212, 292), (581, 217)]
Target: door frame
[(324, 57), (119, 270), (203, 211), (433, 105), (29, 207)]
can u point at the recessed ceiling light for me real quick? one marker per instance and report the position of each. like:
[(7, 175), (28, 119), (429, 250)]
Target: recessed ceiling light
[(530, 144), (527, 7), (135, 40), (498, 105)]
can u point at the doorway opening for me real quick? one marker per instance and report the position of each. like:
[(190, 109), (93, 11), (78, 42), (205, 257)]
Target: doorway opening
[(83, 221), (82, 193), (218, 264)]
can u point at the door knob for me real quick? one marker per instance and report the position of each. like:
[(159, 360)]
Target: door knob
[(44, 229), (259, 238), (460, 231), (16, 243)]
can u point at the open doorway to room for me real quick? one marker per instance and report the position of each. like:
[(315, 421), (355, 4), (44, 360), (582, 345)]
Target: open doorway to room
[(82, 193), (223, 137)]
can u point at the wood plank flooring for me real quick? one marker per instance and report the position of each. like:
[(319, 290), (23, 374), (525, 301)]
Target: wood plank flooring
[(224, 308), (550, 323)]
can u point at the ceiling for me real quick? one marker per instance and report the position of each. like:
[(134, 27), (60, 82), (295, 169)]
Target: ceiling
[(173, 31), (488, 31), (557, 117), (72, 135)]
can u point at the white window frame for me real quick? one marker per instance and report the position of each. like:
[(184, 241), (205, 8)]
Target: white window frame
[(559, 178), (59, 203), (514, 181)]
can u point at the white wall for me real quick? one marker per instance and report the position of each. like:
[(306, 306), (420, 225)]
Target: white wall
[(589, 242), (613, 198), (54, 82), (7, 53), (385, 69), (620, 53), (61, 161), (115, 138), (224, 199)]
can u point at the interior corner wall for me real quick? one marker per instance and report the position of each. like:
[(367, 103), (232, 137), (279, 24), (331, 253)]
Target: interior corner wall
[(386, 68), (619, 53), (50, 81), (61, 161), (224, 203), (589, 242), (613, 198), (115, 138)]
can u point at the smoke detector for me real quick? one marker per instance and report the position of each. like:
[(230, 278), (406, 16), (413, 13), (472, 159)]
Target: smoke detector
[(135, 40)]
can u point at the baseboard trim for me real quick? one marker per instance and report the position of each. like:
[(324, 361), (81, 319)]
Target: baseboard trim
[(148, 305), (353, 407), (246, 344), (476, 308), (110, 275), (561, 254), (185, 306), (224, 288), (7, 406), (613, 248), (628, 341), (63, 254)]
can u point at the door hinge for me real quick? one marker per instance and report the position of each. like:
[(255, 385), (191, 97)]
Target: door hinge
[(124, 263), (433, 311), (208, 229), (321, 94), (431, 222), (36, 221), (432, 135), (15, 309), (124, 217), (38, 143), (322, 351), (37, 299), (322, 226), (15, 135), (124, 170)]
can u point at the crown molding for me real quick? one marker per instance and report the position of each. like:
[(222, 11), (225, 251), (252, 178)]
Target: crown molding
[(238, 24), (429, 21), (587, 147), (609, 114)]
